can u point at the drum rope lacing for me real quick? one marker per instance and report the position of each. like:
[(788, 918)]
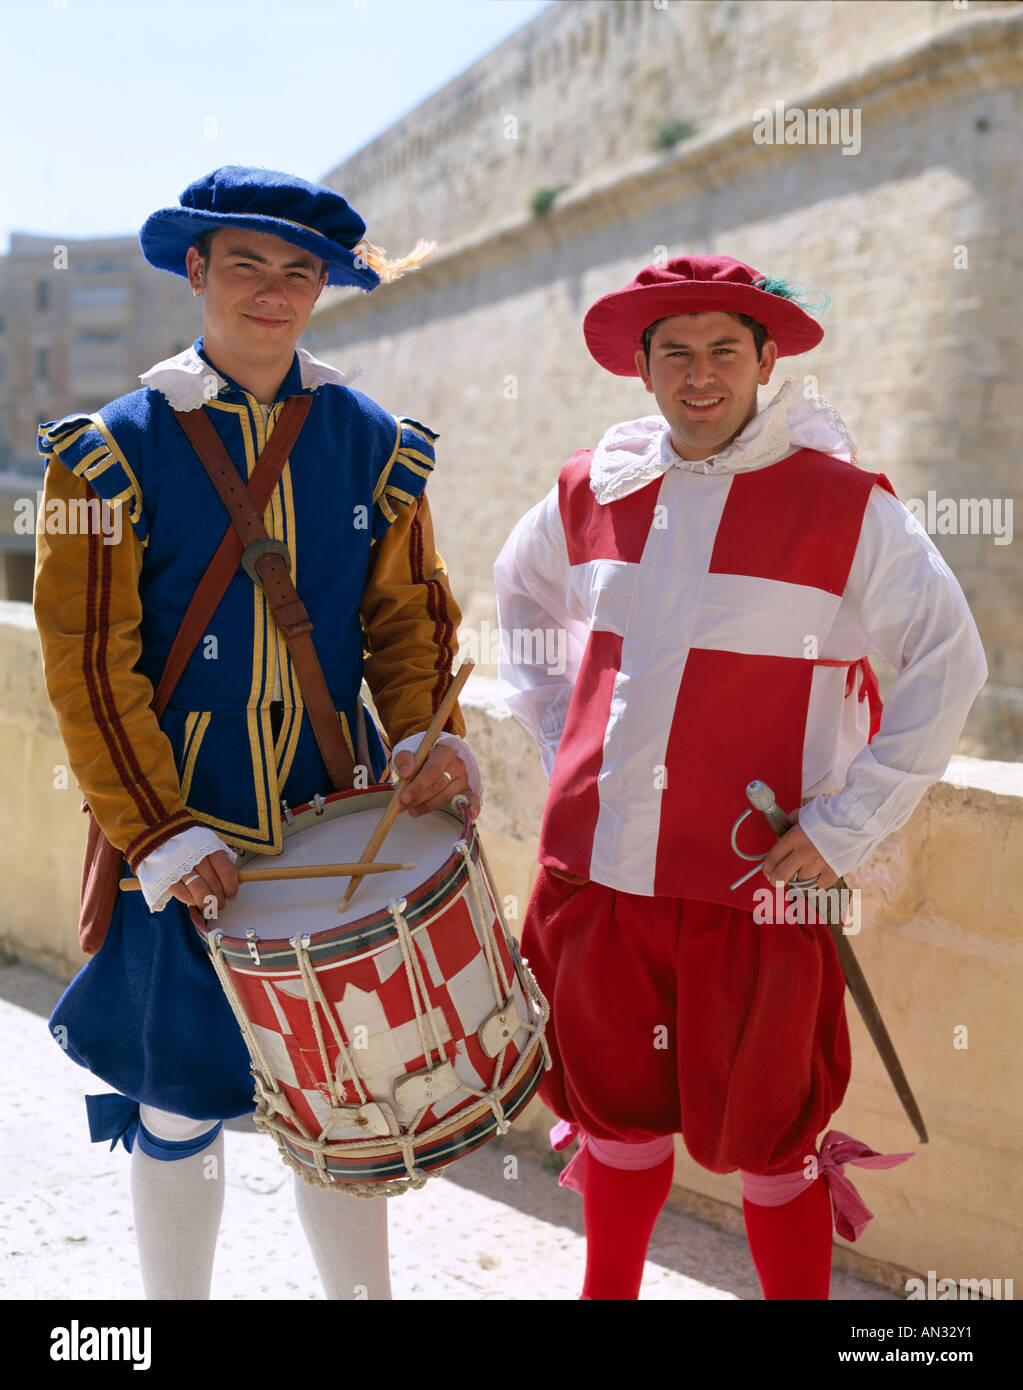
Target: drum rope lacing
[(315, 995), (320, 1146), (272, 1098), (532, 989), (540, 1005), (502, 994), (494, 961), (248, 1032), (416, 987), (484, 922)]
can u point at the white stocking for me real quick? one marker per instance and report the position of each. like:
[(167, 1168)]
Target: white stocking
[(348, 1238), (177, 1205)]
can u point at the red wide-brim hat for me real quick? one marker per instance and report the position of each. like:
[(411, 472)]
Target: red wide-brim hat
[(615, 324)]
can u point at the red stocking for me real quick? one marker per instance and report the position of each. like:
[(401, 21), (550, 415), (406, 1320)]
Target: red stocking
[(791, 1244), (620, 1207)]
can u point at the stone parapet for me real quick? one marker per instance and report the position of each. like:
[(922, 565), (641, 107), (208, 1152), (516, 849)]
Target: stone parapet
[(939, 944)]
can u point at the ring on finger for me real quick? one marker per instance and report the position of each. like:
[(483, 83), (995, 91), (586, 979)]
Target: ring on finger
[(191, 879), (447, 774), (802, 883)]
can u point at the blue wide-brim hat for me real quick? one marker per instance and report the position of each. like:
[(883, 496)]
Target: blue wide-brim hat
[(306, 214)]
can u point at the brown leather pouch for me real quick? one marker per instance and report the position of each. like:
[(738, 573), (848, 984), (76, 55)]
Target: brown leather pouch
[(101, 871)]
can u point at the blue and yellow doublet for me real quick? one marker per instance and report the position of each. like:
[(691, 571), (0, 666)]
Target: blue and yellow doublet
[(146, 1014)]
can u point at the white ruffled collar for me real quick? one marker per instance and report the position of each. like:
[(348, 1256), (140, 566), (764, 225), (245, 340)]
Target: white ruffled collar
[(185, 380), (633, 453)]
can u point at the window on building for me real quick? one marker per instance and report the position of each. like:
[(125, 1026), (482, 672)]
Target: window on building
[(43, 366), (94, 353), (42, 296), (89, 296)]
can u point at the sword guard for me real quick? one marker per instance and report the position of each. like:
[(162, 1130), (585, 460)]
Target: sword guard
[(758, 858), (741, 853)]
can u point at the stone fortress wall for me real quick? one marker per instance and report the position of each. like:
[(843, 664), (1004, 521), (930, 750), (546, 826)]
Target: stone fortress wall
[(484, 344), (914, 234), (588, 84)]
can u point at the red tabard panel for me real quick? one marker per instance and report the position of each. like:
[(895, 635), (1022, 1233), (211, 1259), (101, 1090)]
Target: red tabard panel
[(570, 815), (617, 531), (816, 503), (757, 705)]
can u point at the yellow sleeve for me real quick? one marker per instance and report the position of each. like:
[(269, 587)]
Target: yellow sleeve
[(409, 620), (88, 611)]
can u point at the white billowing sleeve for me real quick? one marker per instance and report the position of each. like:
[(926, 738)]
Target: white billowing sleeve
[(912, 612), (542, 638)]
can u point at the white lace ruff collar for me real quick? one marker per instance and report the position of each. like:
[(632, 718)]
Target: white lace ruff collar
[(633, 453), (186, 381)]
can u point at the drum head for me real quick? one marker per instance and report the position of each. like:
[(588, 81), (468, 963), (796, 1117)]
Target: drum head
[(284, 907)]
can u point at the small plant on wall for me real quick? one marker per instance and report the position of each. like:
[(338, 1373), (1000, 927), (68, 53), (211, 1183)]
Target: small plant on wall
[(671, 132), (543, 199)]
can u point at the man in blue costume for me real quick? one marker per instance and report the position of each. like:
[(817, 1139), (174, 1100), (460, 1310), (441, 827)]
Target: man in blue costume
[(179, 793)]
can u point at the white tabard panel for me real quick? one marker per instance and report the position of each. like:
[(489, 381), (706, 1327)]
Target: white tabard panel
[(672, 575), (763, 617)]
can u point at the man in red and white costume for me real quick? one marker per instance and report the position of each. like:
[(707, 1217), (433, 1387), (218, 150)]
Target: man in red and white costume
[(720, 576)]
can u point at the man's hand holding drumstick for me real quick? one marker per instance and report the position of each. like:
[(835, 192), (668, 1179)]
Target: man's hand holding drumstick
[(441, 777), (214, 877), (435, 793)]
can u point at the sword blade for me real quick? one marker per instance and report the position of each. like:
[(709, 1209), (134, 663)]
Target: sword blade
[(871, 1015)]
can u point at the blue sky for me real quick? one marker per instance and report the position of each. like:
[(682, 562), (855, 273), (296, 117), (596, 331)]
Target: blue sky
[(110, 107)]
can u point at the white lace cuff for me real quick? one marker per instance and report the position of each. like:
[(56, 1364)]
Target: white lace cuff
[(472, 771), (159, 871)]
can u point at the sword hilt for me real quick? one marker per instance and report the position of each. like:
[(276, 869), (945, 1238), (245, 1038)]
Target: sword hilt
[(761, 798)]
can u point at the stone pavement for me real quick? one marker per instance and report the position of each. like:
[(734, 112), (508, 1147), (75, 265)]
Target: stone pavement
[(496, 1226)]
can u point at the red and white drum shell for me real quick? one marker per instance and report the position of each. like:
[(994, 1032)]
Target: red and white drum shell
[(393, 1038)]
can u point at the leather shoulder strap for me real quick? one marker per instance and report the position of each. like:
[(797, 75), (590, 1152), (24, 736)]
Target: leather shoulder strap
[(268, 564), (224, 565)]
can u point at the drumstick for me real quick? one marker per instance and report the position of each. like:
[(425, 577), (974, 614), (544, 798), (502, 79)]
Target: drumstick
[(130, 885), (422, 753)]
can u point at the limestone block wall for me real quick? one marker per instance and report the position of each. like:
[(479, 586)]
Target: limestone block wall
[(587, 85), (42, 830), (939, 944), (915, 239)]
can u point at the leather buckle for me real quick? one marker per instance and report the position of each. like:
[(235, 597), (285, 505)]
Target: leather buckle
[(256, 550)]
